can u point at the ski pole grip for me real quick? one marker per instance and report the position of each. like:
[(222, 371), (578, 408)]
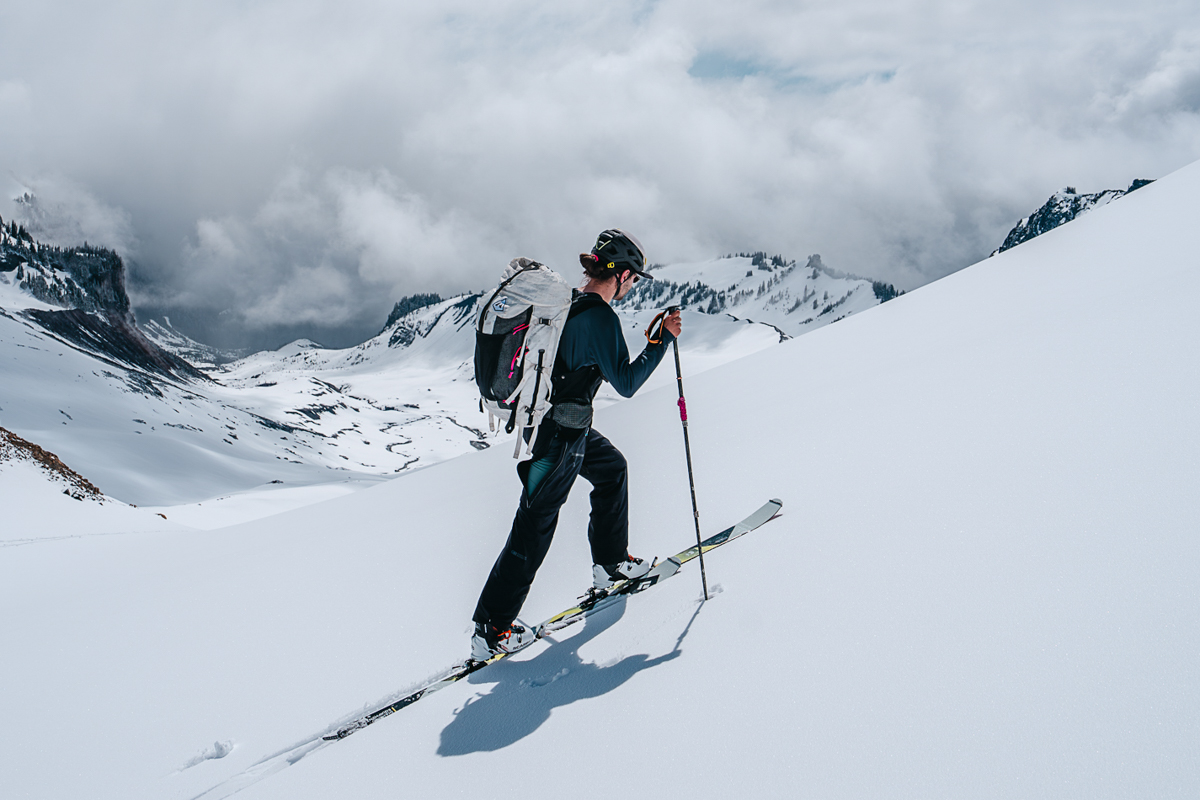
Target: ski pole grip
[(683, 409)]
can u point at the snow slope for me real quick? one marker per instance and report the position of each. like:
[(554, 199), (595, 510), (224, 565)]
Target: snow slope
[(983, 583), (51, 501)]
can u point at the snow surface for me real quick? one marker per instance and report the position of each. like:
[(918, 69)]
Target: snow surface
[(983, 583), (13, 297), (37, 506)]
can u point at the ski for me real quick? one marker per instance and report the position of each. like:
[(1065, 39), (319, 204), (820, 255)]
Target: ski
[(594, 601)]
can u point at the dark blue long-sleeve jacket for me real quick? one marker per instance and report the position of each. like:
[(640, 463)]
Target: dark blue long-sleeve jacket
[(593, 348)]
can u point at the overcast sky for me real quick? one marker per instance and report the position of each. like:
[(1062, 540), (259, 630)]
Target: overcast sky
[(275, 169)]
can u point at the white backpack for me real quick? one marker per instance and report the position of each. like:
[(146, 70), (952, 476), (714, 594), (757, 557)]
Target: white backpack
[(516, 342)]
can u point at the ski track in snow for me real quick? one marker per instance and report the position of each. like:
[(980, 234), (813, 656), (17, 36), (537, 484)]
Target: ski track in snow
[(292, 754), (218, 751), (264, 769), (66, 537)]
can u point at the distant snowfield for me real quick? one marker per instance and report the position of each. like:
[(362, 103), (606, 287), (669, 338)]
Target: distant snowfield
[(983, 583)]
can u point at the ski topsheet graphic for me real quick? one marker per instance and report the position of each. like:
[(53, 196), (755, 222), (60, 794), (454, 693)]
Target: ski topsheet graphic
[(594, 601)]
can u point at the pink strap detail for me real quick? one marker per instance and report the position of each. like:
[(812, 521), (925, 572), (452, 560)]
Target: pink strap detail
[(513, 367), (683, 409), (520, 327)]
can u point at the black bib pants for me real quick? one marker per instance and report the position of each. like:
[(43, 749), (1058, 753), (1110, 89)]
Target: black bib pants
[(571, 452)]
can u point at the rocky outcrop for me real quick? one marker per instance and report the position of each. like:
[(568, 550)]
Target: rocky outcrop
[(14, 448), (88, 283), (86, 278), (1062, 207)]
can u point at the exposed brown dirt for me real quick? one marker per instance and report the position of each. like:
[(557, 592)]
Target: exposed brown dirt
[(13, 447)]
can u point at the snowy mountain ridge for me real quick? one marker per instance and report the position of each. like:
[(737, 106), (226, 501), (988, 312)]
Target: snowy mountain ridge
[(744, 289), (773, 291), (1062, 207), (77, 295)]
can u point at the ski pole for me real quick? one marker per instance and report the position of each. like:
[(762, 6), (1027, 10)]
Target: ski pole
[(687, 445)]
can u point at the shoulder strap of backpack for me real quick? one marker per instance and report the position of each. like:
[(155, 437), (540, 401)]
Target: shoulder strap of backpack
[(582, 301)]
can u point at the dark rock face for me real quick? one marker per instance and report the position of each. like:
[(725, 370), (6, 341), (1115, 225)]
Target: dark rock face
[(114, 338), (1062, 207), (89, 284), (87, 278)]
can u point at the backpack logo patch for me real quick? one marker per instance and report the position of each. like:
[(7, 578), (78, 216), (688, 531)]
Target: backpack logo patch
[(500, 305)]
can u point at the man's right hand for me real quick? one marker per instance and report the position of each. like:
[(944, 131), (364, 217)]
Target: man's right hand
[(673, 323)]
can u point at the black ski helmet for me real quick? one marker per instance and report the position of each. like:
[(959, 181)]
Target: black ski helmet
[(618, 250)]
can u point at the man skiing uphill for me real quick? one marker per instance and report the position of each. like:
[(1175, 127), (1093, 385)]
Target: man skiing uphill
[(592, 350)]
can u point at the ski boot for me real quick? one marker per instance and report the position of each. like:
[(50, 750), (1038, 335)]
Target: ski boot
[(605, 575), (490, 640)]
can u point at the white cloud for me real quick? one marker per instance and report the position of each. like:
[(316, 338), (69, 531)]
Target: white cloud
[(14, 96), (417, 147), (329, 250), (56, 210), (1171, 87), (398, 240)]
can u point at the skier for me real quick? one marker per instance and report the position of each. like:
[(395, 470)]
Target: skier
[(592, 349)]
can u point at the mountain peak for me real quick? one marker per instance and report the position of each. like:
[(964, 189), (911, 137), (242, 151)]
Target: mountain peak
[(1063, 206)]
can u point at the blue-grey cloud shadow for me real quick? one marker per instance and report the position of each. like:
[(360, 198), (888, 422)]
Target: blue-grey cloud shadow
[(526, 692)]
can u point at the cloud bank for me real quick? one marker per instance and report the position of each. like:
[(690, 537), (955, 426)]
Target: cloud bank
[(279, 169)]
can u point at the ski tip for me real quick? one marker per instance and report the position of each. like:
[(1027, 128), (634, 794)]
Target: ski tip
[(777, 501)]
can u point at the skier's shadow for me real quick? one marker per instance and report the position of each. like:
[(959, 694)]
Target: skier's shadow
[(527, 691)]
